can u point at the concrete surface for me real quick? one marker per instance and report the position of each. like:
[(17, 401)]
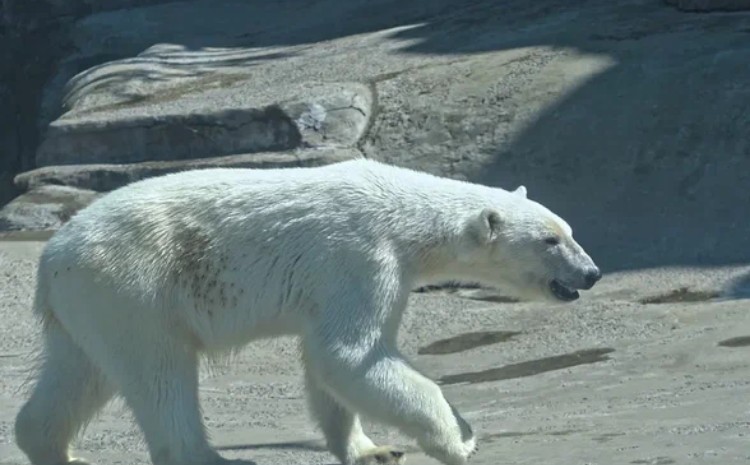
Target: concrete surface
[(607, 380)]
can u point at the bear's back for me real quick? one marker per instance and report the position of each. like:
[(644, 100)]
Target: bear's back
[(144, 223)]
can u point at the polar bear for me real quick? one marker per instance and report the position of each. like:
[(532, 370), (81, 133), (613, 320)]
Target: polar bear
[(136, 287)]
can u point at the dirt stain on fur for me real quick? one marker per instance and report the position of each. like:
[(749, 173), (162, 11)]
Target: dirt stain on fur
[(197, 267)]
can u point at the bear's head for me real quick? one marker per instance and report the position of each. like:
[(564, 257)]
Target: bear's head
[(523, 248)]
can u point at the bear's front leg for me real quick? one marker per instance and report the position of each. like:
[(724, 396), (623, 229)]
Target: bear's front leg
[(367, 377), (343, 432)]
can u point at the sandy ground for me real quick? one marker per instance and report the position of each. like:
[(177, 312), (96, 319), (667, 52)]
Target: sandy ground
[(651, 367)]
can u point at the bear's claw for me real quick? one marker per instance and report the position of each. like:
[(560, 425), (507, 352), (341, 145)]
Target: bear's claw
[(383, 455)]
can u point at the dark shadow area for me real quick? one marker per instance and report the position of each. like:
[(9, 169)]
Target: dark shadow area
[(315, 446), (490, 296), (531, 368), (741, 341), (681, 295), (607, 437), (466, 341), (738, 288), (507, 434), (518, 434)]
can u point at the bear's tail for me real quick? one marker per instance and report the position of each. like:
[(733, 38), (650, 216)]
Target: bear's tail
[(41, 306), (43, 311)]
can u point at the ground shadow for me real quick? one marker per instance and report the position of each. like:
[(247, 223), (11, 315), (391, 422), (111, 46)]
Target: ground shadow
[(197, 69), (315, 446), (466, 341), (644, 159), (739, 341), (530, 368)]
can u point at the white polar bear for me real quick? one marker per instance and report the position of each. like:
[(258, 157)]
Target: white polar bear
[(137, 286)]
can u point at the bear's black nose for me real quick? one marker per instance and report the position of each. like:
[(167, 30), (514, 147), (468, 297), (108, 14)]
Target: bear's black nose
[(592, 276)]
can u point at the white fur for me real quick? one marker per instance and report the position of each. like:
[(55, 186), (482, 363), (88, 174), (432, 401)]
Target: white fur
[(141, 283)]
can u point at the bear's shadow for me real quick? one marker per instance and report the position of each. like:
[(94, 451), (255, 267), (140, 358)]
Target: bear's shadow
[(310, 445)]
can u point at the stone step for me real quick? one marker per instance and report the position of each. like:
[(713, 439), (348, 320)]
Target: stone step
[(102, 177), (54, 193), (44, 208), (199, 123)]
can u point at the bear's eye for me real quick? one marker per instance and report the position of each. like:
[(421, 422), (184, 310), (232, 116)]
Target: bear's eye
[(552, 240)]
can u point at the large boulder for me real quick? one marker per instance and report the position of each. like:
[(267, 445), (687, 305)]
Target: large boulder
[(202, 118), (626, 117)]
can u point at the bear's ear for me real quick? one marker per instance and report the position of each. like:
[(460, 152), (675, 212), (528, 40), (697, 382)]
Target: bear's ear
[(520, 191), (488, 224)]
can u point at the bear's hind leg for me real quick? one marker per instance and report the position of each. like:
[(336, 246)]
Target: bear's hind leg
[(159, 381), (69, 391)]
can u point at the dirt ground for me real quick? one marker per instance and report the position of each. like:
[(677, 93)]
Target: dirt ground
[(650, 367)]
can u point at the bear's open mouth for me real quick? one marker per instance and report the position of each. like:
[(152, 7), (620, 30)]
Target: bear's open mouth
[(563, 292)]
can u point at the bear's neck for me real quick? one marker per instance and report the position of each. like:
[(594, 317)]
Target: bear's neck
[(428, 238)]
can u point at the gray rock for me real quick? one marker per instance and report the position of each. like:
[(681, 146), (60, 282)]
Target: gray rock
[(187, 121), (106, 177), (626, 117), (44, 208)]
